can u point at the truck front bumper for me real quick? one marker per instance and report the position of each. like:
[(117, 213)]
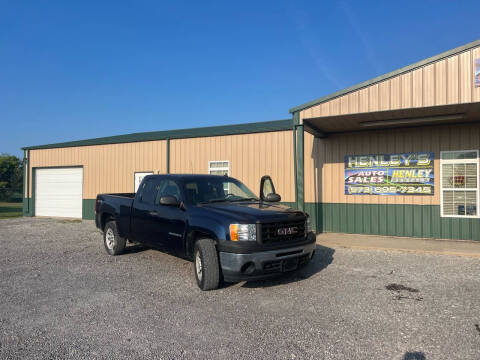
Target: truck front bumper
[(265, 264)]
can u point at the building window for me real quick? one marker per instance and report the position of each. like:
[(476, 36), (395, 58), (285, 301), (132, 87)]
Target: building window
[(459, 174), (219, 168)]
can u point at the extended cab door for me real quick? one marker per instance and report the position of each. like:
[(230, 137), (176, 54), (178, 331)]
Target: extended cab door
[(144, 212), (171, 218)]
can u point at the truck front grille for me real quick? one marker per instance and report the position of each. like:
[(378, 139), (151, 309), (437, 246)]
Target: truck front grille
[(282, 232)]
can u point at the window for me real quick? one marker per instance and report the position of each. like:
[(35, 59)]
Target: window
[(148, 192), (219, 168), (207, 190), (168, 188), (459, 173)]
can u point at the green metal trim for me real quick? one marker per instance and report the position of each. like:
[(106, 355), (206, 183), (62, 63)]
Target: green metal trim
[(24, 201), (247, 128), (29, 204), (300, 193), (422, 221), (32, 200), (387, 76), (88, 209), (294, 133), (168, 156)]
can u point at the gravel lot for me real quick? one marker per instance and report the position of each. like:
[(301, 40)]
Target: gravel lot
[(61, 296)]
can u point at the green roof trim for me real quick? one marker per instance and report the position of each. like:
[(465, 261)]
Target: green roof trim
[(247, 128), (387, 76)]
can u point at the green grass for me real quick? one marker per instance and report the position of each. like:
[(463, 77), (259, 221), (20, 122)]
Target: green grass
[(10, 210)]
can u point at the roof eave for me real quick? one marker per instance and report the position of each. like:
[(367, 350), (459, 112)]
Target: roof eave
[(235, 129), (387, 76)]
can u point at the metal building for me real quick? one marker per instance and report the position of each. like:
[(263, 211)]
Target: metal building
[(395, 155)]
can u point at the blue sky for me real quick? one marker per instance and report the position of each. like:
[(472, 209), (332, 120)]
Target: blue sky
[(71, 70)]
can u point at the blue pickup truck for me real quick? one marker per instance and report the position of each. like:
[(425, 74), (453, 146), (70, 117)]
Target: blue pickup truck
[(216, 221)]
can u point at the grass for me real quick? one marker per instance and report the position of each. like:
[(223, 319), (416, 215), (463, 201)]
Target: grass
[(10, 210)]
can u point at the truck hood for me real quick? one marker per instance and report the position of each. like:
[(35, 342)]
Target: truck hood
[(252, 212)]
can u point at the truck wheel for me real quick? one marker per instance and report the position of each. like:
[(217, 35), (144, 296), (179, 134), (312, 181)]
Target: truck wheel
[(114, 243), (205, 264)]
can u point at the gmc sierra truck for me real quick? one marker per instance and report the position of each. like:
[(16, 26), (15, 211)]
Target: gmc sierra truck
[(216, 221)]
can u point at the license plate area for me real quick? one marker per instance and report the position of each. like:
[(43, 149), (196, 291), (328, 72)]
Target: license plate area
[(289, 264)]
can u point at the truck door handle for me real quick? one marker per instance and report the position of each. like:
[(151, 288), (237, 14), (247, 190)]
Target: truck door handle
[(153, 213)]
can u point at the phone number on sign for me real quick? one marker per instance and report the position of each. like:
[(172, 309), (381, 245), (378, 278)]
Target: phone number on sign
[(379, 190)]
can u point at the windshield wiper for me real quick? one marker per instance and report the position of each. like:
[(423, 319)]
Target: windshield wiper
[(213, 201), (245, 199)]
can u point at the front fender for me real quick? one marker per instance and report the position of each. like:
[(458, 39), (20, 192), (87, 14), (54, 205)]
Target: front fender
[(214, 229)]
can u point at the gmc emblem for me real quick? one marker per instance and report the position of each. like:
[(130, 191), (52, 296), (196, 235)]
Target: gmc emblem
[(287, 231)]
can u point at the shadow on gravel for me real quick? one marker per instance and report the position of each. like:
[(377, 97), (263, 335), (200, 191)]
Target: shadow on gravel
[(135, 248), (415, 355), (323, 257)]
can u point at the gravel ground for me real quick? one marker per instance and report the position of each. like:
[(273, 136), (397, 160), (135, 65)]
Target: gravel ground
[(61, 296)]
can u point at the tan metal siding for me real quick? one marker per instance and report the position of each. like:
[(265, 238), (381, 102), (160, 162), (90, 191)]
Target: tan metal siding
[(107, 168), (324, 159), (250, 155), (448, 81)]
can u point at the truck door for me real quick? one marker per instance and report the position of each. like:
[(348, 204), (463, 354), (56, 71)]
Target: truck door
[(171, 217), (144, 212)]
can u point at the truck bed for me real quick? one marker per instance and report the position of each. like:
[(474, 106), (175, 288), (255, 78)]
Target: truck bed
[(119, 204)]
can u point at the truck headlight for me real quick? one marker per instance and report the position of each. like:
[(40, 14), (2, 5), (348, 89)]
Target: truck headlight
[(308, 225), (243, 232)]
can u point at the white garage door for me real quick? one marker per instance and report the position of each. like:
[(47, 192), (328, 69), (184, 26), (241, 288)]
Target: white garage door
[(58, 192)]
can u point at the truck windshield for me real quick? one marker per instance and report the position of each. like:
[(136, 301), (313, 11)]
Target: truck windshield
[(216, 189)]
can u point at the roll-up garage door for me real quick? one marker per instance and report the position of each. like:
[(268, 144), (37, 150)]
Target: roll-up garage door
[(58, 192)]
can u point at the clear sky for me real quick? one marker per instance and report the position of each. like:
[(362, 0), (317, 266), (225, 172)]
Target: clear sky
[(72, 70)]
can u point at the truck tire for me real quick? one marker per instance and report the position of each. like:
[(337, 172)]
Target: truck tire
[(205, 264), (114, 243)]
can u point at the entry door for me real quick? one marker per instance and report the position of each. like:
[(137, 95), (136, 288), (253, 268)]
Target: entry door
[(58, 192)]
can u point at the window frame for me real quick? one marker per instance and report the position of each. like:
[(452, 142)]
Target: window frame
[(477, 189), (219, 168)]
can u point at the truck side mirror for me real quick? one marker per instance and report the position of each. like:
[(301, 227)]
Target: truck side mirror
[(267, 190), (169, 200), (272, 197)]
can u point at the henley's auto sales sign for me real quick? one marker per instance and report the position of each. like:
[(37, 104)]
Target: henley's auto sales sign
[(389, 174)]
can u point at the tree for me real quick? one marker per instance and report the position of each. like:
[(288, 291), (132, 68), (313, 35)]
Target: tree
[(11, 175)]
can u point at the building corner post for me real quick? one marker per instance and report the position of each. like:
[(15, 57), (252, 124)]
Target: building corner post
[(24, 182), (168, 155), (298, 152)]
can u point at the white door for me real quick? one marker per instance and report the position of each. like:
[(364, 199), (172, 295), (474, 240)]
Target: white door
[(58, 192), (139, 177)]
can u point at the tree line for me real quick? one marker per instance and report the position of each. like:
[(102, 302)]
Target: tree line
[(11, 178)]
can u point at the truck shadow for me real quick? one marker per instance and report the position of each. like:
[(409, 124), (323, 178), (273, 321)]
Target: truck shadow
[(323, 257), (134, 248), (416, 355)]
